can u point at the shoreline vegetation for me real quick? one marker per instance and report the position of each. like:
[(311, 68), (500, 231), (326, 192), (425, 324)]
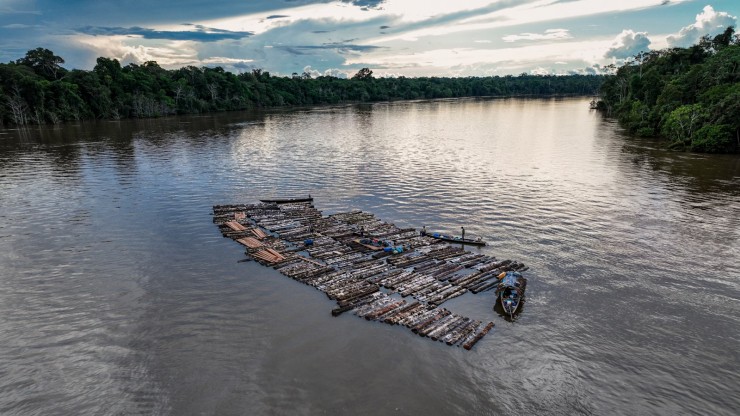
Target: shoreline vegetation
[(36, 90), (687, 96)]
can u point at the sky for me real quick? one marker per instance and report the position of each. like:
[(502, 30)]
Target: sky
[(338, 37)]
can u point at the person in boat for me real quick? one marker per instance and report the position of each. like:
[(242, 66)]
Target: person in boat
[(511, 279)]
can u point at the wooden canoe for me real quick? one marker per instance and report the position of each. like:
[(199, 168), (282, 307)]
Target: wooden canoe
[(286, 200), (458, 240)]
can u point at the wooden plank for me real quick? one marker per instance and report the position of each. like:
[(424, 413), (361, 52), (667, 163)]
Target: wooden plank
[(250, 242), (259, 233), (235, 226)]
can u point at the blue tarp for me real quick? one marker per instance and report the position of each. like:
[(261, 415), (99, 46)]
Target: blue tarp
[(509, 280)]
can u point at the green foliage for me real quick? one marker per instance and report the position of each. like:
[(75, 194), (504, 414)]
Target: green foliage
[(683, 94), (714, 138), (35, 90), (43, 62), (682, 123)]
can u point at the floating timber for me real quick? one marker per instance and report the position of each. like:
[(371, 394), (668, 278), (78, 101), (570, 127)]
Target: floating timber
[(371, 268)]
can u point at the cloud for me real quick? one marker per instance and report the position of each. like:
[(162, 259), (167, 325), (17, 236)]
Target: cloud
[(540, 71), (628, 44), (19, 26), (465, 61), (310, 71), (276, 16), (708, 22), (16, 7), (365, 4), (343, 48), (336, 73), (331, 72), (201, 33), (550, 34)]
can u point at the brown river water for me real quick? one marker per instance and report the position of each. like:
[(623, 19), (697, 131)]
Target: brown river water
[(119, 296)]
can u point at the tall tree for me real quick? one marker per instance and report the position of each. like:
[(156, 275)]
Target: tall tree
[(43, 62), (363, 74)]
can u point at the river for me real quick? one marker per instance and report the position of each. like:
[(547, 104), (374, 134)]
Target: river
[(119, 295)]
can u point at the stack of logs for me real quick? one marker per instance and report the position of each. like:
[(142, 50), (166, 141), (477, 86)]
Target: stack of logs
[(323, 252)]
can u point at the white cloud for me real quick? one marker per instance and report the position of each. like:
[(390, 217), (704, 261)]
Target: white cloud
[(331, 72), (519, 13), (627, 44), (540, 71), (310, 71), (550, 34), (17, 26), (223, 61), (708, 22), (336, 73), (480, 61)]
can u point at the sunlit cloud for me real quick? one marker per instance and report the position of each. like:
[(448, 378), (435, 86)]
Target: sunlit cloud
[(627, 44), (507, 13), (175, 53), (527, 56), (550, 34), (331, 72), (338, 37), (708, 22)]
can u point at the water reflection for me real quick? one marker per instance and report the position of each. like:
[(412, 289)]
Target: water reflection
[(121, 297)]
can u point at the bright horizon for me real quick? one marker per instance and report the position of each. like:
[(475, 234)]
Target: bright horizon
[(393, 38)]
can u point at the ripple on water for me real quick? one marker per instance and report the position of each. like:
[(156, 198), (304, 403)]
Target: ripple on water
[(120, 296)]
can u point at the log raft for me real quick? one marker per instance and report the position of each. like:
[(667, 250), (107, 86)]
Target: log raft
[(330, 254)]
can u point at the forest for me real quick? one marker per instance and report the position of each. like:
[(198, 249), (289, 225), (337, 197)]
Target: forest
[(36, 89), (688, 96)]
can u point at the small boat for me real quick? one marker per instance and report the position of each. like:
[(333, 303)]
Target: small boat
[(458, 240), (510, 292), (286, 200)]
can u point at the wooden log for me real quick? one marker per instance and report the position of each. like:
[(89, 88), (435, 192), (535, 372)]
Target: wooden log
[(437, 302), (443, 329), (417, 317), (357, 303), (434, 318), (360, 294), (399, 314), (486, 287), (468, 345), (470, 333), (454, 331), (436, 325), (463, 331), (381, 311)]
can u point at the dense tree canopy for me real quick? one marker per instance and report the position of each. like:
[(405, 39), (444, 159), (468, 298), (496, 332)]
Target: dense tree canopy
[(37, 90), (691, 96)]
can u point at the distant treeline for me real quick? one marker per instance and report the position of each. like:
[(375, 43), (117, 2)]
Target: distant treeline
[(691, 96), (37, 90)]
